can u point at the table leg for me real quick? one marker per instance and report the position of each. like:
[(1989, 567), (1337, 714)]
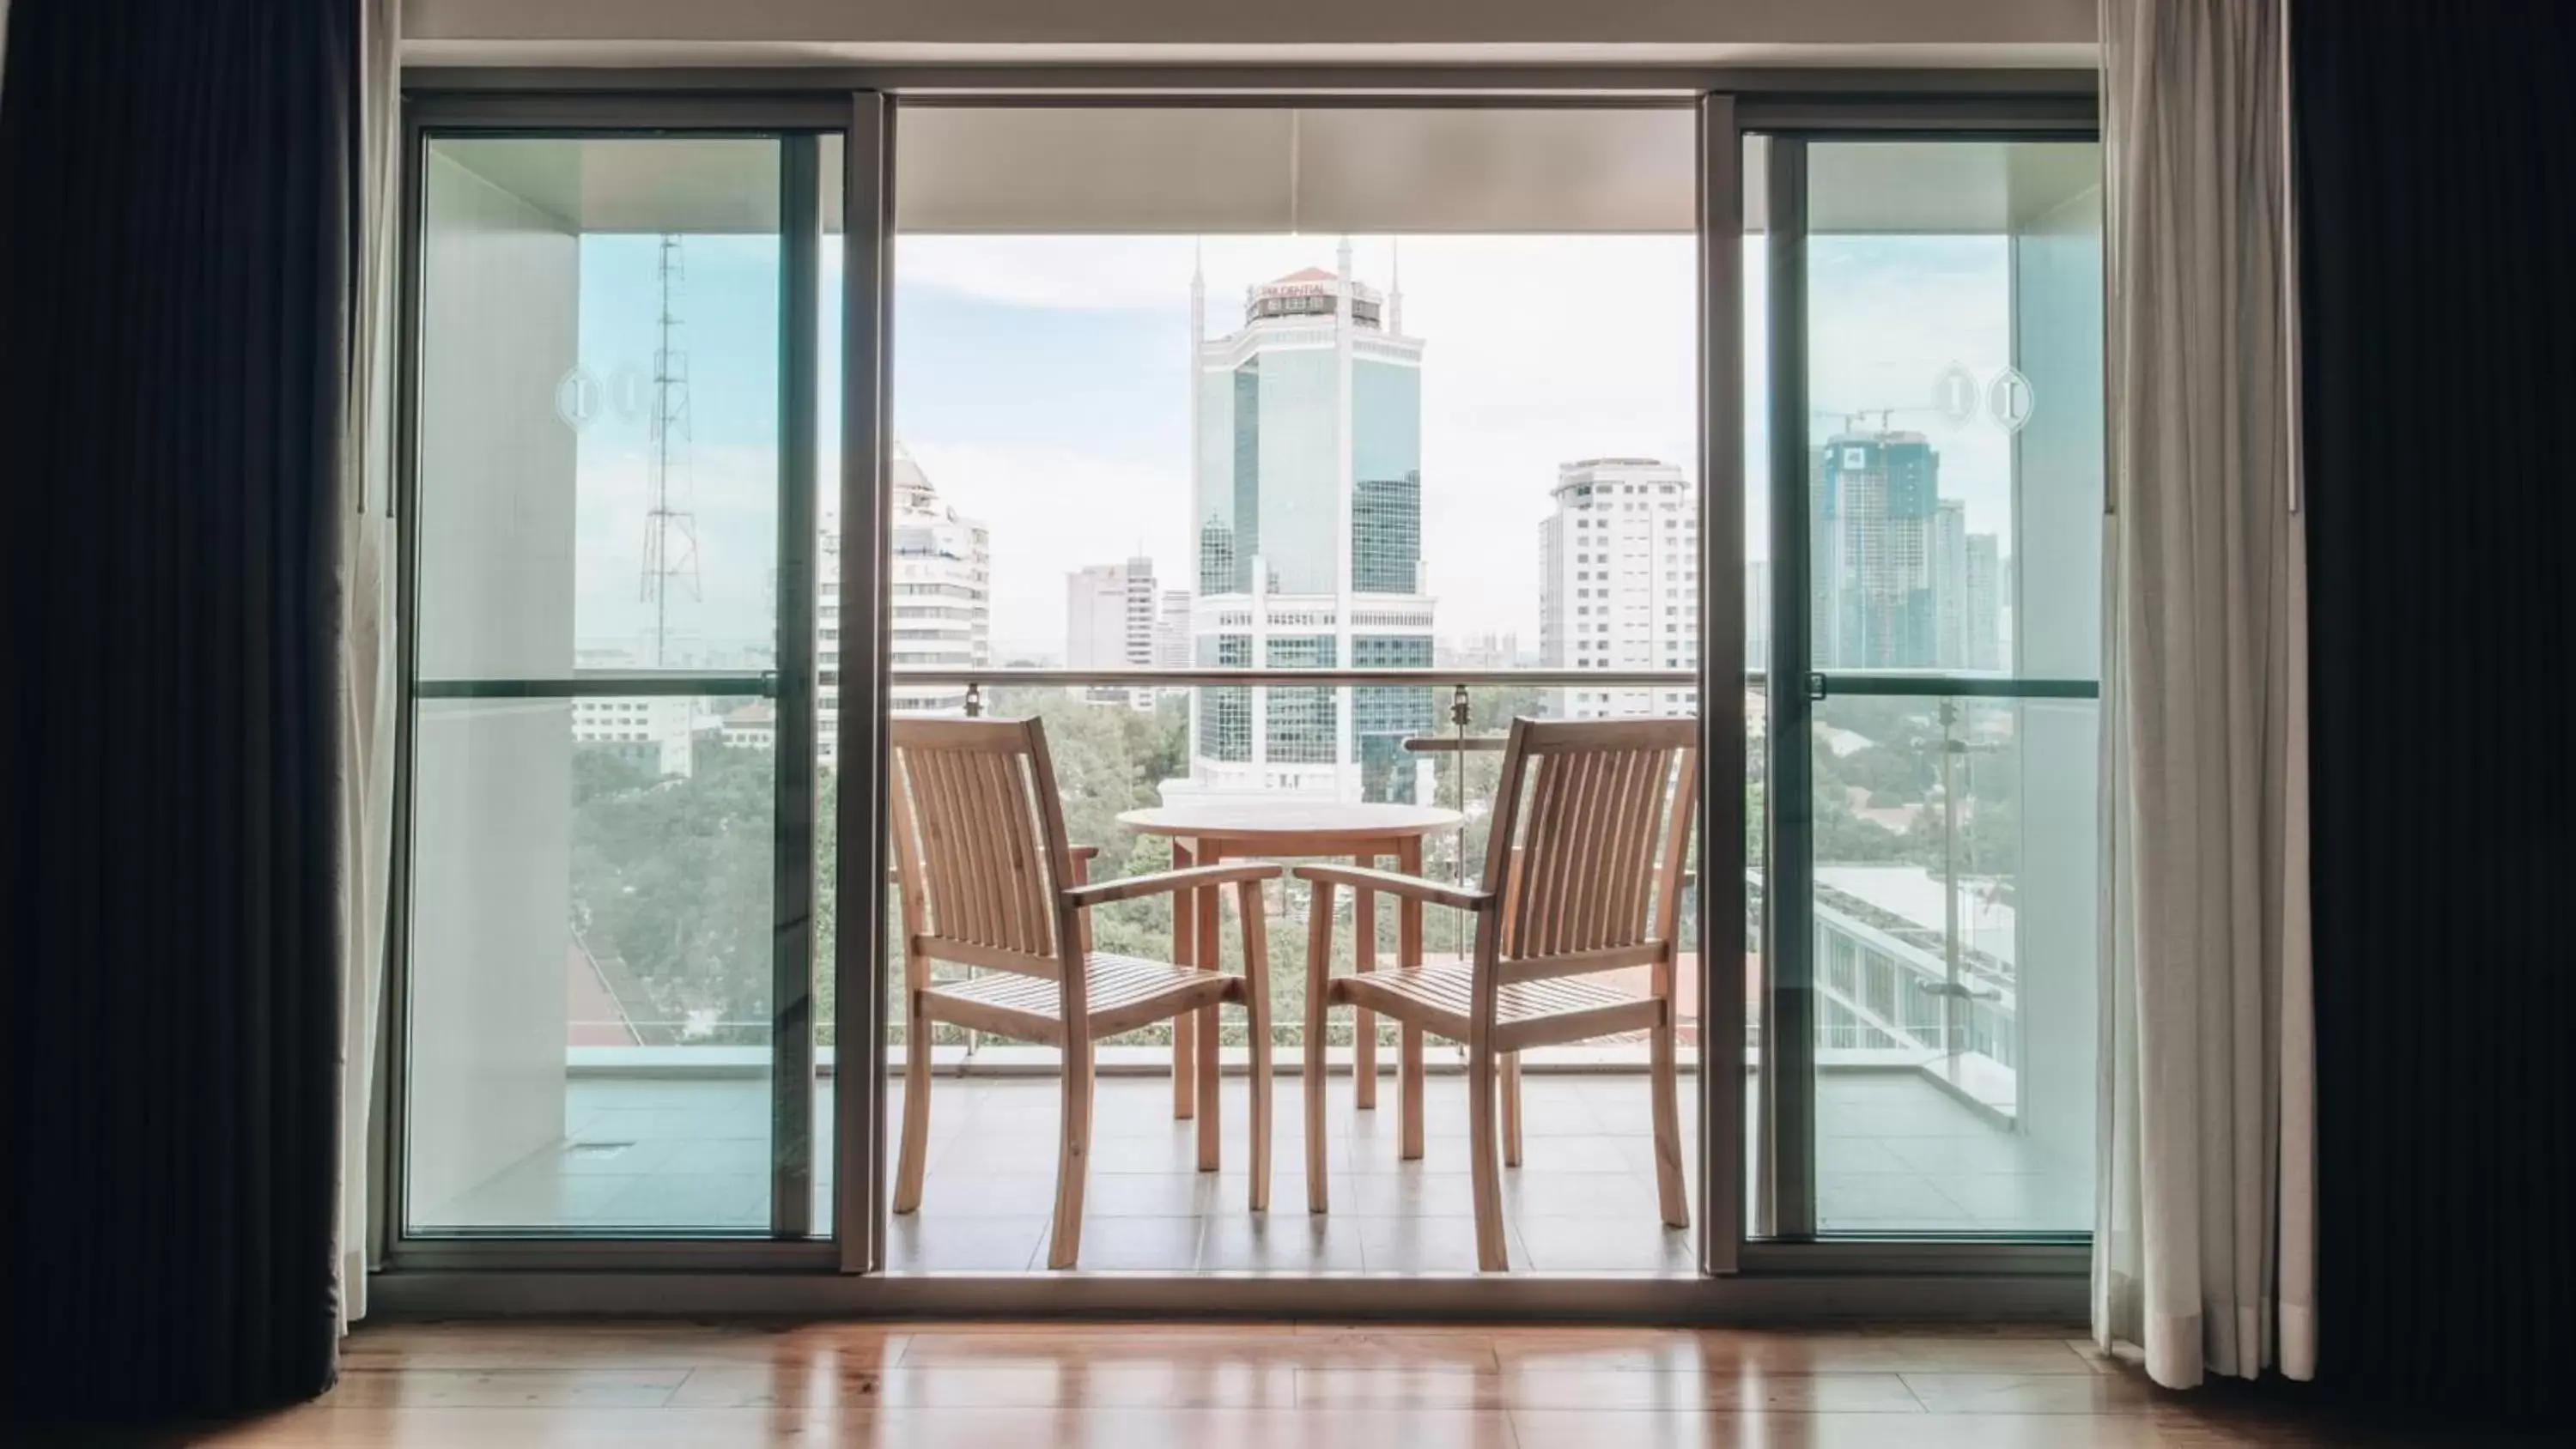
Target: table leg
[(1208, 958), (1408, 956), (1185, 944), (1364, 1022)]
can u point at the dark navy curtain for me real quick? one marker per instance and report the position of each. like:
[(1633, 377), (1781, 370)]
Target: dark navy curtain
[(175, 238), (2436, 186)]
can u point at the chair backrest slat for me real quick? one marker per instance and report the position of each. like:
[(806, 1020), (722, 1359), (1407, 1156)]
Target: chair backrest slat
[(974, 828), (1600, 836)]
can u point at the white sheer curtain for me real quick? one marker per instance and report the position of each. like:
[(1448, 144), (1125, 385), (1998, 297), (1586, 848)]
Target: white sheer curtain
[(2204, 1244), (367, 692)]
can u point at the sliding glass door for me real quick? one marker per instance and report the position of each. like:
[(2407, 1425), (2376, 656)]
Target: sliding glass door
[(1934, 411), (1275, 456), (609, 976)]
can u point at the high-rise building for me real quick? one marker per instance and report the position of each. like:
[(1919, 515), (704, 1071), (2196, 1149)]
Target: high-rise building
[(1875, 503), (1490, 649), (1984, 592), (942, 615), (1619, 583), (1757, 614), (1307, 516), (1825, 569), (1950, 584), (1172, 631), (1110, 621), (1095, 617)]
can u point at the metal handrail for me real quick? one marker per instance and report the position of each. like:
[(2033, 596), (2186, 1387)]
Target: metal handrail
[(584, 683), (1007, 677), (1831, 682), (609, 684)]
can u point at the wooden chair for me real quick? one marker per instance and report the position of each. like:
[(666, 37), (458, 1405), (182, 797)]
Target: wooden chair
[(1590, 866), (987, 880)]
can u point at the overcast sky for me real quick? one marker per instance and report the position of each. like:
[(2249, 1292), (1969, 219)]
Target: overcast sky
[(1043, 384)]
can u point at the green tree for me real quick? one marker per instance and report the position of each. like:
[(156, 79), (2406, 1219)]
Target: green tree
[(671, 879)]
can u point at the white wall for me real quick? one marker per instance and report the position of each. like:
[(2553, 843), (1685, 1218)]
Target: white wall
[(492, 811), (2045, 32)]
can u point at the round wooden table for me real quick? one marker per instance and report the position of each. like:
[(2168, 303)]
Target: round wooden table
[(1208, 832)]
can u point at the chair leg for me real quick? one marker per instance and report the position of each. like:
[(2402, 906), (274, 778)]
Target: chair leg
[(1258, 1028), (1511, 1109), (1210, 1122), (1319, 959), (1074, 1161), (1363, 1021), (1185, 946), (915, 1151), (1661, 1077), (1408, 1139), (1485, 1176)]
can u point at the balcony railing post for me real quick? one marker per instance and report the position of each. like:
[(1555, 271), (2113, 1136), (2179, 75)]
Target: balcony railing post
[(1950, 751), (1459, 714), (974, 699)]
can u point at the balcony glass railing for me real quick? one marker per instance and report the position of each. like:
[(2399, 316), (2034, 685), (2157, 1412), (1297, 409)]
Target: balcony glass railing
[(1950, 868), (1927, 810), (1952, 933)]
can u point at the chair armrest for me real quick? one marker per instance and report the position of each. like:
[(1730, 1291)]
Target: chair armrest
[(1359, 878), (1165, 882)]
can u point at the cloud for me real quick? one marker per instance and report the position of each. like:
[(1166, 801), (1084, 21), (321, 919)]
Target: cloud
[(1052, 510)]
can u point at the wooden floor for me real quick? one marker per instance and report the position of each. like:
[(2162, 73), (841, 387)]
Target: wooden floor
[(1217, 1386)]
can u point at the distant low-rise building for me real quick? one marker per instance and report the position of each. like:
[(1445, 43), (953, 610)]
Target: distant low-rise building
[(752, 727), (656, 731)]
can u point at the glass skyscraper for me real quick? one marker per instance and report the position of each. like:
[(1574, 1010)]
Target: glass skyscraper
[(1307, 508), (1878, 504)]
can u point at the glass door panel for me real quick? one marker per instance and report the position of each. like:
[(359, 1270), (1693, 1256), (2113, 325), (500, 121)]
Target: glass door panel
[(1949, 472), (597, 971)]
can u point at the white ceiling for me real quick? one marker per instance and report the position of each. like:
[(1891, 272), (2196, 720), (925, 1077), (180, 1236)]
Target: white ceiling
[(1261, 170), (789, 32)]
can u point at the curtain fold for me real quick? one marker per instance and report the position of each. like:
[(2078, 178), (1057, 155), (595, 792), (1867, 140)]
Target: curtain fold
[(2203, 1253), (176, 183), (368, 694)]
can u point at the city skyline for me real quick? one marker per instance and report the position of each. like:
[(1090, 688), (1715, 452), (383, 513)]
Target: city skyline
[(1086, 338)]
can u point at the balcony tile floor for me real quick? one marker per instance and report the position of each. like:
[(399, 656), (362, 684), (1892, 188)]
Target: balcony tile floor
[(1895, 1154)]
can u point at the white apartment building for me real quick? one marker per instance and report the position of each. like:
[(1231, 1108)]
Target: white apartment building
[(1110, 622), (752, 727), (1172, 631), (653, 730), (942, 580), (1619, 583)]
